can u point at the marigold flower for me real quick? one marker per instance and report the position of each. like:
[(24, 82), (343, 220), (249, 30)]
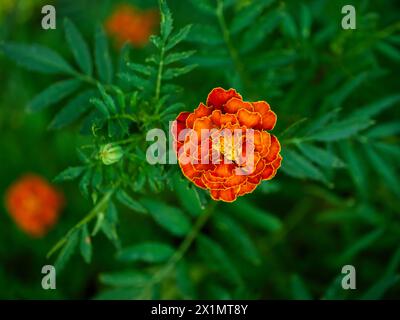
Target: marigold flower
[(129, 24), (34, 204), (226, 112)]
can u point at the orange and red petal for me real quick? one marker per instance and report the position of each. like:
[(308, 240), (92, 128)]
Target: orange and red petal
[(226, 195), (268, 172), (220, 119), (248, 118), (201, 111), (268, 120), (274, 149), (179, 124), (219, 96), (234, 180), (235, 104), (246, 187)]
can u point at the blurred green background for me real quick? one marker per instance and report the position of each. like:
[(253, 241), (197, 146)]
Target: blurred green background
[(353, 219)]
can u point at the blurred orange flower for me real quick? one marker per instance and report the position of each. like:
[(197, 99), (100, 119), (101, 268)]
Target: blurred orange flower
[(227, 175), (130, 24), (34, 204)]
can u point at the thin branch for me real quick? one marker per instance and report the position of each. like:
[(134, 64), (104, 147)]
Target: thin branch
[(183, 248), (100, 206)]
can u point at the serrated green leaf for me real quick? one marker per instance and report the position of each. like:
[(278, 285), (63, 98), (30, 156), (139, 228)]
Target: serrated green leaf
[(102, 57), (99, 222), (85, 183), (178, 37), (67, 251), (376, 107), (177, 72), (76, 107), (251, 214), (53, 94), (340, 95), (156, 40), (110, 231), (178, 56), (170, 218), (70, 173), (100, 106), (125, 279), (322, 121), (36, 58), (78, 47), (108, 100), (297, 166), (151, 252), (133, 79), (341, 129), (127, 200), (166, 20), (322, 157), (140, 68), (86, 244)]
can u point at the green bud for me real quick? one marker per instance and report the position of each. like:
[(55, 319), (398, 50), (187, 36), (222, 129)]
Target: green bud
[(110, 153)]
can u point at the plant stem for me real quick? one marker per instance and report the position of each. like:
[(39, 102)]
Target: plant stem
[(160, 72), (100, 206), (228, 41), (183, 248)]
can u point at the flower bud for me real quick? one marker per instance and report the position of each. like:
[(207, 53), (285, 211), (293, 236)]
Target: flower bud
[(110, 153)]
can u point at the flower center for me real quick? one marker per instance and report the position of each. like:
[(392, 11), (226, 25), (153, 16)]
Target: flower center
[(228, 147)]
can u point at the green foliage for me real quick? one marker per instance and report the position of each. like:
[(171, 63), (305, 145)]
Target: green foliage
[(333, 202)]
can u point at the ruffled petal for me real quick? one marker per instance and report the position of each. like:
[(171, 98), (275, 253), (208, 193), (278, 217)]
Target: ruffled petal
[(248, 118), (246, 187), (201, 124), (221, 119), (268, 172), (274, 149), (179, 124), (234, 181), (226, 195), (201, 111), (219, 96), (230, 175), (235, 104)]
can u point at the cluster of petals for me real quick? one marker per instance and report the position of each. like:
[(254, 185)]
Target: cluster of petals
[(34, 204), (225, 111)]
